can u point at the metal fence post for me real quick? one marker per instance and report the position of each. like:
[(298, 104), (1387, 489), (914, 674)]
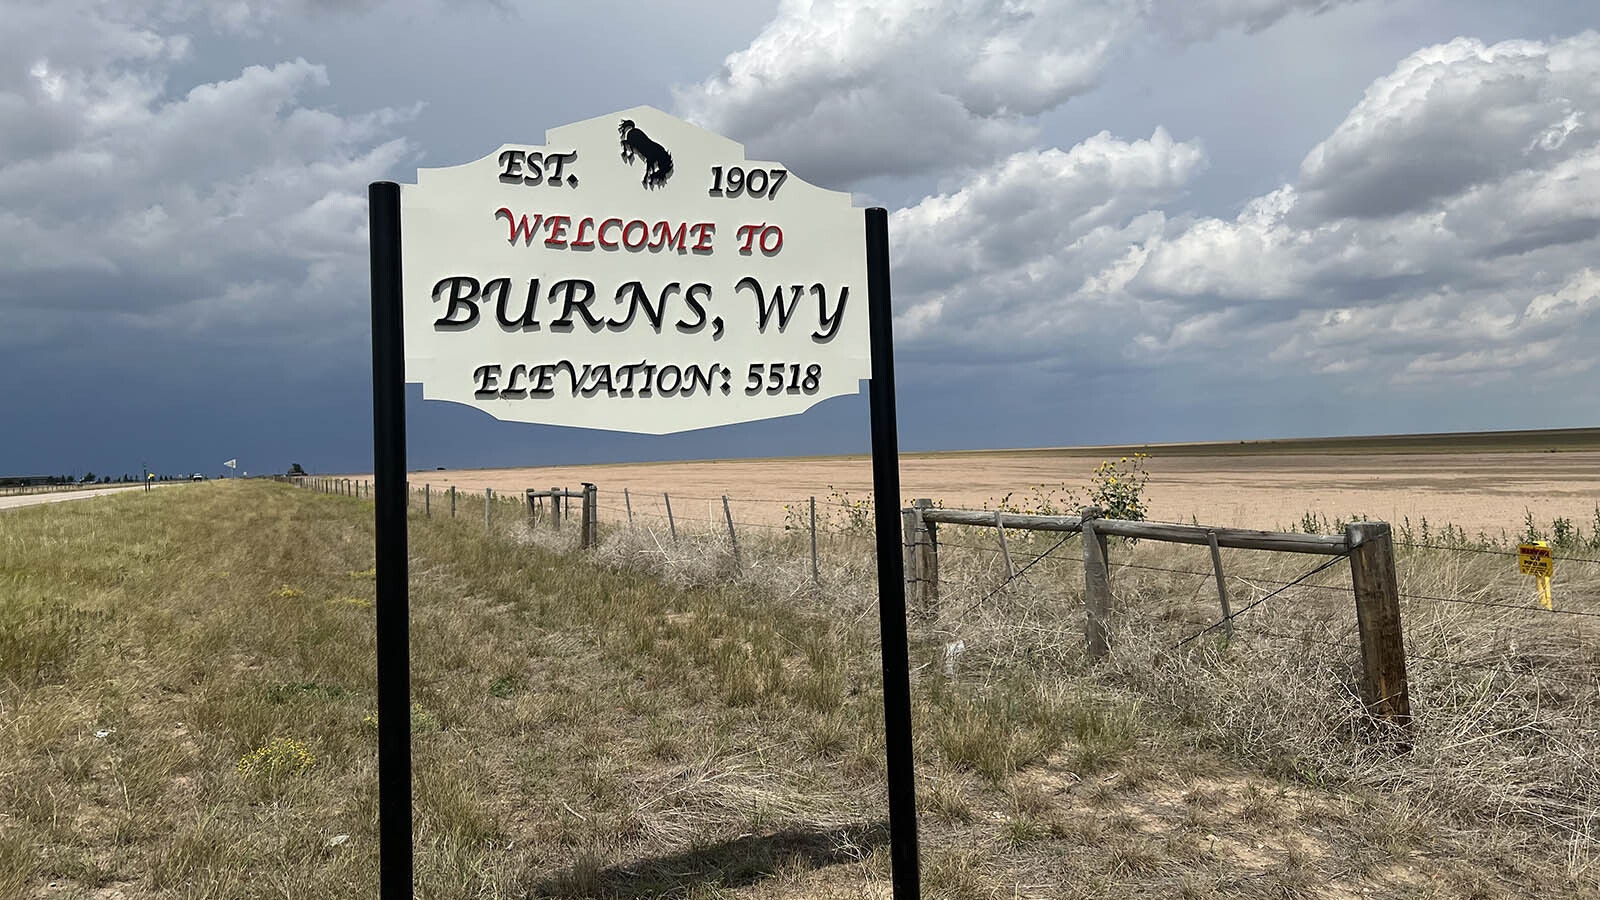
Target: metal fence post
[(816, 575), (732, 538)]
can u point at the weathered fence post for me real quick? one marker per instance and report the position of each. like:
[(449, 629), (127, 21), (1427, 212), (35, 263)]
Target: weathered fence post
[(909, 527), (922, 555), (1222, 587), (732, 538), (1005, 550), (628, 502), (1383, 652), (555, 507), (530, 496), (488, 497), (671, 525), (930, 553), (427, 500), (452, 501), (1096, 588), (816, 575), (591, 515)]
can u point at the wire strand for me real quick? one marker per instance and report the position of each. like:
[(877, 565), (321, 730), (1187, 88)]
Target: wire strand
[(1018, 574), (1531, 609), (1226, 619)]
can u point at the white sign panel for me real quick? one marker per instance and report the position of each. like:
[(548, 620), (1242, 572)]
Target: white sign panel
[(633, 273)]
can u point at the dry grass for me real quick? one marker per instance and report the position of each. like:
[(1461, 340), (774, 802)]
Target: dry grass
[(648, 722)]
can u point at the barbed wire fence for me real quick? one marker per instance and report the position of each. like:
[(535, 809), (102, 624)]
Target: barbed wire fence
[(1501, 680)]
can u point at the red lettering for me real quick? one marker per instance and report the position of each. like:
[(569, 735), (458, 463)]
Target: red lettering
[(666, 237), (519, 228), (558, 230), (644, 234), (774, 232), (748, 233), (609, 245), (703, 232), (585, 222)]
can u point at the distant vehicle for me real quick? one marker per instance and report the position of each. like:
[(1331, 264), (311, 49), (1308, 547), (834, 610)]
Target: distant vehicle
[(198, 477)]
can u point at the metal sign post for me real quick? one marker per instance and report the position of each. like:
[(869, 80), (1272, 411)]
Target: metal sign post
[(393, 606), (891, 568)]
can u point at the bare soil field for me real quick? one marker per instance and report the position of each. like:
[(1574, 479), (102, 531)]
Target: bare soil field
[(1473, 483)]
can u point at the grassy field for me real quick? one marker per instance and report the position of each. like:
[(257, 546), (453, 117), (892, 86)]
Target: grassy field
[(186, 696)]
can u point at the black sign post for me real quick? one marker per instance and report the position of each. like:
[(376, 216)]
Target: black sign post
[(390, 500), (891, 568)]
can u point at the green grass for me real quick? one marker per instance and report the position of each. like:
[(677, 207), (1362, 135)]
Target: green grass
[(595, 727)]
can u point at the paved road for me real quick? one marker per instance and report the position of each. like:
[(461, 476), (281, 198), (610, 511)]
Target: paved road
[(20, 500)]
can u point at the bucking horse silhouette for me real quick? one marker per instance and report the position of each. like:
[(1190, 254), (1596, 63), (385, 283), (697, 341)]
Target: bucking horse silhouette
[(657, 161)]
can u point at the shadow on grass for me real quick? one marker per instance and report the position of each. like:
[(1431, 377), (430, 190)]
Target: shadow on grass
[(731, 864)]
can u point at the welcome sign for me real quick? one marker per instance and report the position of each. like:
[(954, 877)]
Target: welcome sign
[(633, 273)]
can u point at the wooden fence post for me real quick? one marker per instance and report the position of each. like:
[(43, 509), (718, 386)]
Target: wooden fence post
[(816, 574), (671, 525), (452, 501), (488, 497), (530, 496), (427, 500), (555, 508), (732, 538), (1222, 587), (628, 502), (591, 515), (1096, 589), (1383, 653), (909, 530), (1005, 550), (922, 556)]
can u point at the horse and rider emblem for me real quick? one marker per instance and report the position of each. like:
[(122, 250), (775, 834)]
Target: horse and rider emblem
[(657, 161)]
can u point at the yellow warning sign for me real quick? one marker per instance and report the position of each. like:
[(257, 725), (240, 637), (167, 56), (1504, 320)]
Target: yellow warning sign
[(1535, 559)]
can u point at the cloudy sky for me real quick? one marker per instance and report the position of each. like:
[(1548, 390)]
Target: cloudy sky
[(1111, 220)]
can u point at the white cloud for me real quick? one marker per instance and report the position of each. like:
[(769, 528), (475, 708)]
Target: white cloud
[(1483, 272), (1012, 262), (851, 90), (1454, 116)]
